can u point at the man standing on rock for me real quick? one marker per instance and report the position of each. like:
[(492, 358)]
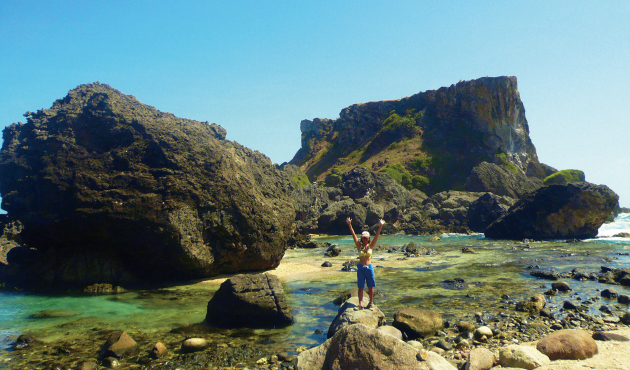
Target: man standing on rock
[(365, 270)]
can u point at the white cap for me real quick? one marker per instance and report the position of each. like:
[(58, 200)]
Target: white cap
[(365, 234)]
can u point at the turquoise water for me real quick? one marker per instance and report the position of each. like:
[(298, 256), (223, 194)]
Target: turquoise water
[(168, 315)]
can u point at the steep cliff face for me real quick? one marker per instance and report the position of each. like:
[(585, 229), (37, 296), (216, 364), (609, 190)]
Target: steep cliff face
[(152, 197), (440, 135)]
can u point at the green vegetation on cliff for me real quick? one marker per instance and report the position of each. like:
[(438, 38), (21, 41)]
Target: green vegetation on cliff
[(300, 180), (431, 140), (565, 177)]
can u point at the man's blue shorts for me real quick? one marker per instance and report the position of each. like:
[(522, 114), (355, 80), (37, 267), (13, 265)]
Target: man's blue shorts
[(365, 273)]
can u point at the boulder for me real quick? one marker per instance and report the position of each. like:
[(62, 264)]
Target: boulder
[(360, 347), (347, 315), (569, 344), (119, 344), (131, 195), (609, 293), (486, 209), (417, 323), (333, 251), (498, 179), (523, 357), (623, 298), (480, 359), (534, 305), (574, 210), (254, 301), (413, 248)]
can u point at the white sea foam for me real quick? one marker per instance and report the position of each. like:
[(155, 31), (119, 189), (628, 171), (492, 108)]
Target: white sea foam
[(620, 225)]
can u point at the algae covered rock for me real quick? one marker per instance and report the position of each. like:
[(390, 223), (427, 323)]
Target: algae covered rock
[(565, 177), (110, 190), (574, 210)]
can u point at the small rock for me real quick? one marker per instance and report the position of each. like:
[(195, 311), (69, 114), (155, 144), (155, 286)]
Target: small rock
[(483, 331), (434, 239), (438, 350), (609, 293), (623, 299), (604, 336), (480, 359), (194, 345), (422, 355), (88, 365), (326, 264), (561, 286), (522, 357), (568, 305), (110, 362), (119, 344), (415, 344), (159, 350), (468, 250), (444, 345), (465, 327)]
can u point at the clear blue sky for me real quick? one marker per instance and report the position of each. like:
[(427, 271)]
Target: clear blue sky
[(259, 67)]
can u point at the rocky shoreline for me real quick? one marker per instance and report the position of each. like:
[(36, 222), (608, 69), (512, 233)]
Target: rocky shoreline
[(516, 322)]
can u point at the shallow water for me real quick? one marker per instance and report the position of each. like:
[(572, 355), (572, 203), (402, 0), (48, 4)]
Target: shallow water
[(497, 268)]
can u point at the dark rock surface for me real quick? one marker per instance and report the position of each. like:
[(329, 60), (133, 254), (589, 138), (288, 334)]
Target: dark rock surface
[(493, 178), (575, 210), (253, 301), (110, 190), (366, 197), (486, 209)]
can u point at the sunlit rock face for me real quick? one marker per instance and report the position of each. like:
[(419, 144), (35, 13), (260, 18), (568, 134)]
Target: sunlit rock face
[(452, 129)]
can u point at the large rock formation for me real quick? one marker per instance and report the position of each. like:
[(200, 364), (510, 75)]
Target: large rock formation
[(438, 135), (574, 210), (110, 190)]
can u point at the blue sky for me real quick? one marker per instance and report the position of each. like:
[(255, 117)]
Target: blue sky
[(260, 67)]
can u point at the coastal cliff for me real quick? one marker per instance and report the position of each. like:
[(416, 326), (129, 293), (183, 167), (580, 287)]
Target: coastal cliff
[(434, 138), (110, 190)]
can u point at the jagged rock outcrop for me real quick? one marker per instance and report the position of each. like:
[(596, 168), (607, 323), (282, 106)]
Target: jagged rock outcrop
[(574, 210), (366, 197), (490, 177), (110, 190), (445, 133)]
